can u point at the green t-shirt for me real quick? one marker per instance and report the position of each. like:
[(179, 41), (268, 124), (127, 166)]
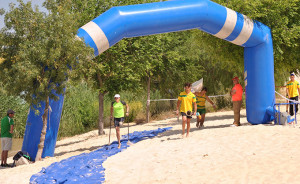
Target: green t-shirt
[(5, 126), (118, 109)]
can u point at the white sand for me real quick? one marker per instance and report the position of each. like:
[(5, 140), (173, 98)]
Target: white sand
[(217, 153)]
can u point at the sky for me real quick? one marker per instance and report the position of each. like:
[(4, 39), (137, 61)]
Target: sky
[(5, 5)]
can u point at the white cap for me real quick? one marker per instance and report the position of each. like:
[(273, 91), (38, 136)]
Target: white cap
[(117, 96)]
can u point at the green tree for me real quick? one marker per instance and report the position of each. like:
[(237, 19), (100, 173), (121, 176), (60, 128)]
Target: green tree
[(114, 70), (283, 17), (160, 59), (38, 50)]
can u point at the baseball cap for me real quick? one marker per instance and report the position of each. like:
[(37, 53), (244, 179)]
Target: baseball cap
[(292, 74), (10, 111), (117, 96), (235, 78)]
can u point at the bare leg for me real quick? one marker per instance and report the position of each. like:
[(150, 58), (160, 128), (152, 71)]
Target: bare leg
[(188, 126), (198, 121), (202, 120), (5, 154), (118, 136), (183, 125), (2, 158)]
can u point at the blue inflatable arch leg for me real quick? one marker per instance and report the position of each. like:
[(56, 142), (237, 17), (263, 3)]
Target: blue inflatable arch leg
[(171, 16)]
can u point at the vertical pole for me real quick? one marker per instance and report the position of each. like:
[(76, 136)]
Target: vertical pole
[(148, 100), (295, 113)]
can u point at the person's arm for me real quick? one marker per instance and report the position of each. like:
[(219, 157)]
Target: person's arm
[(287, 91), (11, 129), (178, 105), (298, 90), (232, 92), (195, 108), (211, 102), (127, 109)]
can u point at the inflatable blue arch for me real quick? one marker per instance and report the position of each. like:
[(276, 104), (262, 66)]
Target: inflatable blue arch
[(171, 16)]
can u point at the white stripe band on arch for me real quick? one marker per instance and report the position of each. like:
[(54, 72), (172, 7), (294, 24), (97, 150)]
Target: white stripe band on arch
[(245, 33), (229, 25), (97, 35)]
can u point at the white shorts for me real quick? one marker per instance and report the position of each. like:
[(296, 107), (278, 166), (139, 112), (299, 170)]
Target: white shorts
[(6, 143)]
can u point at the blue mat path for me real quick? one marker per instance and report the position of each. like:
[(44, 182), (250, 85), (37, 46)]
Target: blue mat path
[(87, 167)]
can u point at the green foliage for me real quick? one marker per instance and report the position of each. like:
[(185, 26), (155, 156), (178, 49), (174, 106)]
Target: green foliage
[(160, 107), (136, 108), (223, 102), (20, 107), (283, 17), (39, 49), (2, 11), (80, 110), (46, 40)]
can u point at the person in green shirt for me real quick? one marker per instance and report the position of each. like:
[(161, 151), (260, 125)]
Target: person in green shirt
[(117, 111), (7, 127)]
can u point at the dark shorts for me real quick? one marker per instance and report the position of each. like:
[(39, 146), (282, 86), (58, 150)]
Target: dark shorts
[(117, 121), (201, 111), (184, 114)]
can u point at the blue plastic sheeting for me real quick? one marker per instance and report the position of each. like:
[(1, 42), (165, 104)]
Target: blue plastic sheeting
[(87, 167)]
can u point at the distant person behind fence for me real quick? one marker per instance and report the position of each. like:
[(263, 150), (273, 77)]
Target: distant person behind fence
[(237, 96), (186, 100), (7, 127), (293, 90)]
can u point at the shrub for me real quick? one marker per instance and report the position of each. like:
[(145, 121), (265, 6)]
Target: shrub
[(20, 107)]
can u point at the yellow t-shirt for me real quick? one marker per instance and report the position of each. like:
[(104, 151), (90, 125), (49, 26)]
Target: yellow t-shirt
[(187, 101), (293, 88), (200, 100)]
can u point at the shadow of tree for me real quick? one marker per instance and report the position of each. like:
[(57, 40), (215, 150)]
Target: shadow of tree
[(93, 148), (165, 134), (70, 143)]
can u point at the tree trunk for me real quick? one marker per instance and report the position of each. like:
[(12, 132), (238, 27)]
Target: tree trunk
[(43, 133), (101, 111), (148, 100)]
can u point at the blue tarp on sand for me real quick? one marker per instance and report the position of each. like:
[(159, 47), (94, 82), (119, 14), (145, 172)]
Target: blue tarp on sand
[(87, 167)]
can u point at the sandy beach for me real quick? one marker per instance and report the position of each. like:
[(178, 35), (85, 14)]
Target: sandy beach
[(216, 153)]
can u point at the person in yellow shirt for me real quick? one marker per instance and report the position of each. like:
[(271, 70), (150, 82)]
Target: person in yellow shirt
[(293, 90), (200, 100), (186, 101)]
